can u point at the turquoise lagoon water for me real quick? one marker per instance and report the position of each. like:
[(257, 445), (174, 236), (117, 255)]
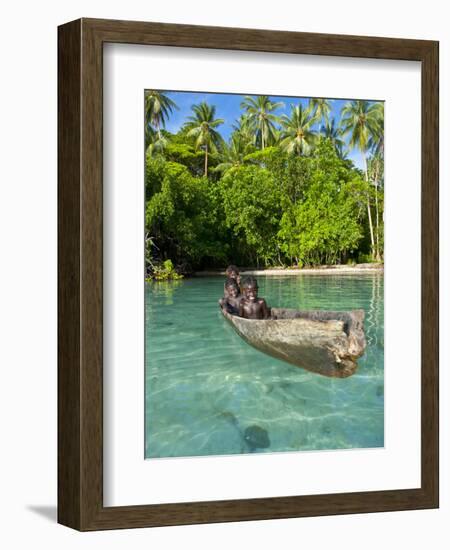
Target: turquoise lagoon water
[(210, 393)]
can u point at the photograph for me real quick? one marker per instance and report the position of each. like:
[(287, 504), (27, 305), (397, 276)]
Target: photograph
[(264, 295)]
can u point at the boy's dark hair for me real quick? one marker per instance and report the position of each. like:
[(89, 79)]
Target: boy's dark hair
[(250, 281), (231, 282), (231, 268)]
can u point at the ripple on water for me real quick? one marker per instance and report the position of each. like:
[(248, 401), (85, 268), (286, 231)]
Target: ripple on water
[(205, 387)]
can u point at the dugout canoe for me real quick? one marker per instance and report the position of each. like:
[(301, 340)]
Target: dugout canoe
[(325, 342)]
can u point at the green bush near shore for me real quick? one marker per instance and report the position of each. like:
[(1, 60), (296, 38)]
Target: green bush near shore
[(164, 272)]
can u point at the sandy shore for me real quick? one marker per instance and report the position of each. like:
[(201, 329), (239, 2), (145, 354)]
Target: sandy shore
[(325, 270)]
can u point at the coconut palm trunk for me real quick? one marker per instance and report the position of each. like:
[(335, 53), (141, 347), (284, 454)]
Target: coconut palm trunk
[(377, 233), (369, 213), (201, 126), (377, 252)]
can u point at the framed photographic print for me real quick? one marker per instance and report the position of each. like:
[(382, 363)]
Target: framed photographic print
[(248, 274)]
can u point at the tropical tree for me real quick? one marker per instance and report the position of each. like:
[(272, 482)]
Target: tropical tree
[(333, 133), (202, 127), (297, 136), (321, 109), (326, 225), (277, 136), (180, 215), (155, 142), (252, 207), (361, 121), (243, 127), (234, 153), (375, 169), (376, 140), (158, 107), (261, 118)]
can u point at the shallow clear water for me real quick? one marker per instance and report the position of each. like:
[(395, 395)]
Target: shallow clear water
[(209, 393)]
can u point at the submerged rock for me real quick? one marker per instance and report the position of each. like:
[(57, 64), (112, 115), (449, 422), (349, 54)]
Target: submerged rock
[(256, 437)]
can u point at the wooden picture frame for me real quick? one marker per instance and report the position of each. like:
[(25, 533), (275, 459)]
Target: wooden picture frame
[(80, 309)]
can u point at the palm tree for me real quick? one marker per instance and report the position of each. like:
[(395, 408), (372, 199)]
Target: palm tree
[(297, 134), (201, 126), (361, 120), (234, 153), (155, 142), (321, 109), (158, 107), (276, 138), (243, 127), (333, 133), (375, 170), (261, 118), (376, 165)]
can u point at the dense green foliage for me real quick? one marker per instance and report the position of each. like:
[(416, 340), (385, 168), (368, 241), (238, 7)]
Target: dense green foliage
[(165, 272), (271, 196)]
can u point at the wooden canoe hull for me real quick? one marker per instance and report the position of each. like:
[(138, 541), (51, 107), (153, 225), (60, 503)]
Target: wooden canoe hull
[(325, 342)]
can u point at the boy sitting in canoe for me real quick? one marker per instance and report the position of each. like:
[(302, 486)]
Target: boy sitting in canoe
[(232, 299), (232, 272), (252, 307)]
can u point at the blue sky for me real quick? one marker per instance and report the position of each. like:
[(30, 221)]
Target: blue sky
[(228, 108)]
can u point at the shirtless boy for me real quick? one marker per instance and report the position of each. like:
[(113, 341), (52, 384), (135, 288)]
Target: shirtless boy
[(232, 272), (232, 298), (252, 307)]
